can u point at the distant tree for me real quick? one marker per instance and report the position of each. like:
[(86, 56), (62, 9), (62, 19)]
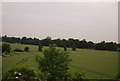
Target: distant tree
[(54, 63), (18, 40), (65, 48), (57, 42), (40, 48), (90, 45), (82, 44), (73, 47), (63, 42), (70, 42), (10, 39), (29, 41), (118, 45), (23, 40), (6, 48), (100, 46), (110, 46), (4, 38), (76, 41), (46, 41), (35, 41), (26, 49)]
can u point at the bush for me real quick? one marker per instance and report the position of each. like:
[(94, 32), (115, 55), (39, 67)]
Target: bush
[(6, 48), (18, 50), (73, 47), (65, 48), (118, 76), (26, 49), (20, 73), (77, 77), (54, 64), (40, 48)]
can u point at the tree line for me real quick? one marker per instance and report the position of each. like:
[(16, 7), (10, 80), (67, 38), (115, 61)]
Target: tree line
[(71, 43)]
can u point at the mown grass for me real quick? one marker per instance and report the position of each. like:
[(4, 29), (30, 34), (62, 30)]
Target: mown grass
[(0, 68), (93, 64), (0, 63)]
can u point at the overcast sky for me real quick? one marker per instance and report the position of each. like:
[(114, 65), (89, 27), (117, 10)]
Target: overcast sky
[(95, 21)]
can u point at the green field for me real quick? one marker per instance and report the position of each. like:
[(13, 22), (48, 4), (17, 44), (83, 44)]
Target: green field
[(93, 64), (0, 68)]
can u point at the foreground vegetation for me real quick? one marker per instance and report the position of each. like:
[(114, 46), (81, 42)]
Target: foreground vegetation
[(93, 64)]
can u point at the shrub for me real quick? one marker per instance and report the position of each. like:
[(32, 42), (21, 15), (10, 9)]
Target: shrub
[(20, 73), (65, 48), (18, 50), (26, 49), (6, 48), (54, 64), (118, 76), (40, 48), (73, 47), (77, 77)]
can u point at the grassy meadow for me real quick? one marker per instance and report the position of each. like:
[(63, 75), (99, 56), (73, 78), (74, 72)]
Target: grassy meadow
[(0, 68), (93, 64)]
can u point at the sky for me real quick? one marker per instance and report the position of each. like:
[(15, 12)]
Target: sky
[(93, 21)]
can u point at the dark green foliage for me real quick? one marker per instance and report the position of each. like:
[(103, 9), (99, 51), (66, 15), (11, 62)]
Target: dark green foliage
[(90, 45), (118, 45), (18, 50), (100, 46), (70, 42), (57, 42), (20, 73), (40, 48), (63, 43), (73, 47), (6, 48), (54, 64), (46, 41), (118, 76), (110, 46), (23, 40), (82, 44), (65, 48), (26, 40), (26, 49), (77, 77), (10, 39)]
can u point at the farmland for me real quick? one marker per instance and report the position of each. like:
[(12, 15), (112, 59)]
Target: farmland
[(93, 64)]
